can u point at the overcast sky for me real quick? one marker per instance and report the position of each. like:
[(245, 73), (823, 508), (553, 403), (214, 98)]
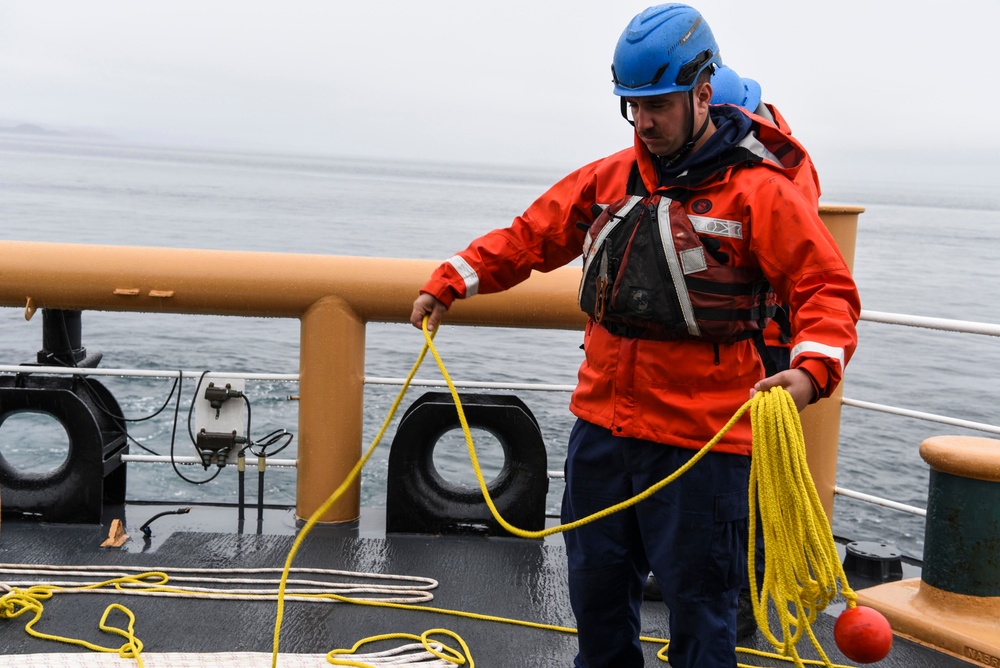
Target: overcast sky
[(510, 81)]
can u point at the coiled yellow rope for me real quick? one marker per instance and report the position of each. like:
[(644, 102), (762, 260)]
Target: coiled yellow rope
[(18, 602), (802, 571)]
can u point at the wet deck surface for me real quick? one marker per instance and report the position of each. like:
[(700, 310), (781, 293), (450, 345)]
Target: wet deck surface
[(505, 577)]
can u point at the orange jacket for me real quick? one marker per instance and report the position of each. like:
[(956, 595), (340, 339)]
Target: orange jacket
[(682, 392), (807, 181)]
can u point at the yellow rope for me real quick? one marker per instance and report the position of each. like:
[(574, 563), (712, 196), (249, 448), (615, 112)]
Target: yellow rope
[(348, 481), (429, 343), (802, 567), (18, 602), (779, 430)]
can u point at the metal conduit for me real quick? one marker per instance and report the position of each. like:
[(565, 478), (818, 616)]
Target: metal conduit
[(878, 500), (930, 417), (141, 373), (160, 459), (943, 324)]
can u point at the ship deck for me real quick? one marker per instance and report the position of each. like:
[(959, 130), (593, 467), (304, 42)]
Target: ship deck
[(505, 577)]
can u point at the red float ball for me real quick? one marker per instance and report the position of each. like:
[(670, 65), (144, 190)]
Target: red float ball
[(863, 634)]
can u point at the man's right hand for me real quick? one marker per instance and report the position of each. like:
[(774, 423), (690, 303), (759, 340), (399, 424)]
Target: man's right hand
[(430, 306)]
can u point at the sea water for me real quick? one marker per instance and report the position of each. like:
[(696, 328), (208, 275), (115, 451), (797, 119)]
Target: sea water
[(926, 246)]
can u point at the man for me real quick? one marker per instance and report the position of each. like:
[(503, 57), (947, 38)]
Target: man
[(684, 235)]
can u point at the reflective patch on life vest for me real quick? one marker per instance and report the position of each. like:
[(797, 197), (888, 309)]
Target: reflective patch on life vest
[(693, 260), (821, 348), (606, 229), (603, 226), (468, 274), (717, 227)]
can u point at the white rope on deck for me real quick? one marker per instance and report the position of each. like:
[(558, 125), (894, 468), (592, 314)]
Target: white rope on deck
[(172, 660), (407, 655), (230, 583), (401, 657)]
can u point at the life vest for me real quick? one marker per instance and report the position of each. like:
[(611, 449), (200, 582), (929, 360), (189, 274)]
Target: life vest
[(647, 274)]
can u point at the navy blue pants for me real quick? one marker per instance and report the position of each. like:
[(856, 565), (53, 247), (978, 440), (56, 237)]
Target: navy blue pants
[(692, 534)]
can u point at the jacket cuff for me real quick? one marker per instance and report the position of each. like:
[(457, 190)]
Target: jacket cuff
[(819, 375), (442, 291)]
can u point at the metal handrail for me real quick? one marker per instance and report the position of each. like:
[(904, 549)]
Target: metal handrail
[(943, 324), (140, 373), (879, 501), (251, 462), (920, 415)]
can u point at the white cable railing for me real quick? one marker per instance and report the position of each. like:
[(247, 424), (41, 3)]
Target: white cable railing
[(921, 415), (533, 387), (941, 324), (141, 373), (879, 501), (251, 462)]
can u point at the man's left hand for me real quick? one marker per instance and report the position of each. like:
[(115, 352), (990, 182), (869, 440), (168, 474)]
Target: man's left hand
[(795, 381)]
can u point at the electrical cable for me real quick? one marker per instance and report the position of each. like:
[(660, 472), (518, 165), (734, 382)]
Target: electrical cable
[(173, 433), (101, 406), (147, 532)]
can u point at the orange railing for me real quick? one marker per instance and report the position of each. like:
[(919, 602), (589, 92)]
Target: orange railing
[(334, 298)]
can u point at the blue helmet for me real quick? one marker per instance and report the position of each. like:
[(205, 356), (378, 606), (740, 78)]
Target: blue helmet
[(729, 88), (663, 50)]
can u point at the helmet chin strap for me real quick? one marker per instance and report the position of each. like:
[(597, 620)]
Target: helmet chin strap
[(693, 137)]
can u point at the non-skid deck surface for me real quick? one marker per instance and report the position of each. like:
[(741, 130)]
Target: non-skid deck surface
[(504, 577)]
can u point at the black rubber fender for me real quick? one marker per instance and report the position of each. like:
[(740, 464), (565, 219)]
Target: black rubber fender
[(92, 473), (419, 500)]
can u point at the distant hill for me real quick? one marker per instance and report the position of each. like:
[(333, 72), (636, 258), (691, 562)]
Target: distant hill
[(31, 129), (35, 130)]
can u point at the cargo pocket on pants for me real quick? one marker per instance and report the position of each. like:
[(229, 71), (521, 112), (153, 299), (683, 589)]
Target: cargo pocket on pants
[(727, 557)]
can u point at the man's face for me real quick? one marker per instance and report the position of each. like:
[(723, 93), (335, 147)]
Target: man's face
[(661, 121)]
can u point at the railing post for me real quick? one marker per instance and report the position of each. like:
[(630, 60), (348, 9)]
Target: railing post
[(331, 408), (821, 421)]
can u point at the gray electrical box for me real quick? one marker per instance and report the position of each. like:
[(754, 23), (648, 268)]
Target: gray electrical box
[(220, 420)]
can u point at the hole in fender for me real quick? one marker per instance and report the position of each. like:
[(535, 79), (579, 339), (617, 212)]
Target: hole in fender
[(33, 442), (451, 457)]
